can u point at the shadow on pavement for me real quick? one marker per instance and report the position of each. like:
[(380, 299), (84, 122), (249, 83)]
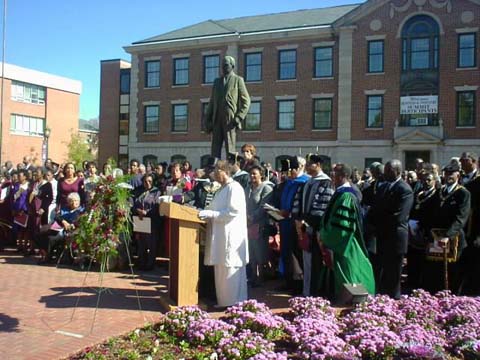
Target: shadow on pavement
[(104, 298), (8, 324)]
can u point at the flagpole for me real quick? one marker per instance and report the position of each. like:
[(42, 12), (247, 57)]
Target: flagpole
[(3, 75)]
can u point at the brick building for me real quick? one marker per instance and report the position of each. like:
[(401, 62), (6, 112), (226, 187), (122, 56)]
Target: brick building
[(358, 83), (33, 101)]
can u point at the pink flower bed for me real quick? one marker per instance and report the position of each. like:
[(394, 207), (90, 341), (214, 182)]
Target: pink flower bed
[(420, 326)]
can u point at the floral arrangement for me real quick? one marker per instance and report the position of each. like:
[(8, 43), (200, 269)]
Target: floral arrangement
[(106, 222), (182, 183)]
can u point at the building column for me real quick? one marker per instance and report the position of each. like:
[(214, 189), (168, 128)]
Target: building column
[(133, 120), (345, 47)]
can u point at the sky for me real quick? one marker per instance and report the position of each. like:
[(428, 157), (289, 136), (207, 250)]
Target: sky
[(70, 37)]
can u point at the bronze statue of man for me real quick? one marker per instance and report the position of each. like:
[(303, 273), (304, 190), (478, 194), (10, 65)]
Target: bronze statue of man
[(228, 106)]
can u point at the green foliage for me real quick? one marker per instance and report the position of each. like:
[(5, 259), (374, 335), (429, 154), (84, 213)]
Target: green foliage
[(78, 150)]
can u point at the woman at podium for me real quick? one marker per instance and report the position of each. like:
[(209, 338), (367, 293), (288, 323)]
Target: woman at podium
[(226, 245)]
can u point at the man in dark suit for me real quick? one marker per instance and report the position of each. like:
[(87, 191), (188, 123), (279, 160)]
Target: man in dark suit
[(394, 206), (228, 107), (370, 196), (471, 259), (452, 216)]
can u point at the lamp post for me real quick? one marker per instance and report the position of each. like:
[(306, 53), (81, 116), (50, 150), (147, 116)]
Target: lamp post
[(46, 135)]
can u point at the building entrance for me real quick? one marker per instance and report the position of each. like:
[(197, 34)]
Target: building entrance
[(410, 157)]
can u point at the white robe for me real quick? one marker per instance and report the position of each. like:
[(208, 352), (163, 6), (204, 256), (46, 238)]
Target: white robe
[(226, 245)]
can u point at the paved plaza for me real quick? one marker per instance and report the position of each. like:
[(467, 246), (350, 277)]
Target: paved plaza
[(49, 313)]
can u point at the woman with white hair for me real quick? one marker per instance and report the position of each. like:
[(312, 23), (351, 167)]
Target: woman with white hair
[(65, 223)]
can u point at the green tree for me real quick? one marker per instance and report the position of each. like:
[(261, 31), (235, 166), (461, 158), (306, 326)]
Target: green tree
[(78, 149)]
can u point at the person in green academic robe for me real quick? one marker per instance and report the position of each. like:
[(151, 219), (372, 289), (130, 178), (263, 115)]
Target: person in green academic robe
[(341, 235)]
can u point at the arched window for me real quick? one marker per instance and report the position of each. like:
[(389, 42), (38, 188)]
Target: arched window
[(420, 75), (326, 164), (420, 43), (204, 160), (152, 159), (179, 158)]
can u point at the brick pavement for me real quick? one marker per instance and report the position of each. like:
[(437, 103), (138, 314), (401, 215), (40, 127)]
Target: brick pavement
[(45, 313), (49, 313)]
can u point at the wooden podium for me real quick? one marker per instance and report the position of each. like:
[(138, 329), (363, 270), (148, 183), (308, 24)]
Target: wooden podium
[(184, 254)]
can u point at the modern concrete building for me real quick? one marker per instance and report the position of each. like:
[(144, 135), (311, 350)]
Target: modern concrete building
[(358, 83), (33, 101)]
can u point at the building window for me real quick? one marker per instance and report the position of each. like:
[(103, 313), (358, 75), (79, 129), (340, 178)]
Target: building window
[(287, 60), (211, 68), (125, 81), (123, 127), (252, 120), (151, 160), (322, 113), (28, 93), (253, 67), (178, 158), (370, 161), (466, 108), (323, 62), (180, 71), (205, 160), (375, 111), (180, 117), (204, 116), (375, 56), (152, 74), (420, 44), (151, 122), (467, 50), (286, 115), (26, 125)]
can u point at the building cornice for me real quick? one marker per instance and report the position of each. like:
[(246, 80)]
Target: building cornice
[(221, 39), (361, 11), (30, 76)]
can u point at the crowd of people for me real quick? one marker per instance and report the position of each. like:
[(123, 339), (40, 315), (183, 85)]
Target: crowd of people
[(318, 226)]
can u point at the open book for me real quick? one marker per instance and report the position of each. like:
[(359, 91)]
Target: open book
[(273, 212)]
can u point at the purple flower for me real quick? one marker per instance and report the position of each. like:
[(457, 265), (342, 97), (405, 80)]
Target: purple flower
[(244, 345), (303, 306), (256, 317), (176, 322), (208, 331)]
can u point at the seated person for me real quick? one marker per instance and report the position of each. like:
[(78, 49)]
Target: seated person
[(63, 224)]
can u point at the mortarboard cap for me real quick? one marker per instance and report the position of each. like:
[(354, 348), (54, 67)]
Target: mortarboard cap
[(234, 158), (314, 158), (289, 163)]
